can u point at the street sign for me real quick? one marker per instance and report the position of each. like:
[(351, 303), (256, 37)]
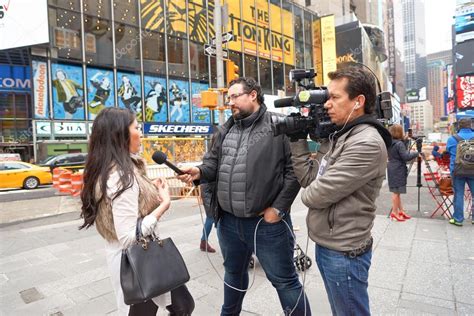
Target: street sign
[(211, 51), (226, 37)]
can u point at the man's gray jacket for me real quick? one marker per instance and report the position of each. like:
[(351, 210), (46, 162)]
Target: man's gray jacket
[(341, 199), (250, 167)]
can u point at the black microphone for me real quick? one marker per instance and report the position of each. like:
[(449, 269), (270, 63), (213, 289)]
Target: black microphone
[(283, 102), (160, 158)]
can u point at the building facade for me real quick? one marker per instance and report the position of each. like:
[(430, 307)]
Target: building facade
[(421, 116), (414, 44), (435, 90), (145, 55)]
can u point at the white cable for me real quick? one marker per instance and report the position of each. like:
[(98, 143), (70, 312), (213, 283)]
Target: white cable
[(255, 252)]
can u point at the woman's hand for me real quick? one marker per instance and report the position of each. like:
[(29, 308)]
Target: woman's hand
[(163, 191)]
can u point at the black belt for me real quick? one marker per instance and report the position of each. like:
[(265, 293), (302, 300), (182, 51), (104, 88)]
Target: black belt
[(359, 251)]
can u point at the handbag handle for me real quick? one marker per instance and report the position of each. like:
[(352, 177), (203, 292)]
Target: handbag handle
[(139, 235)]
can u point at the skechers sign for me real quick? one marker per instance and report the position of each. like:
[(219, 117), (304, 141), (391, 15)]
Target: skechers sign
[(174, 129)]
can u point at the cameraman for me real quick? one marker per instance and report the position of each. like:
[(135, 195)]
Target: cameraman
[(341, 186)]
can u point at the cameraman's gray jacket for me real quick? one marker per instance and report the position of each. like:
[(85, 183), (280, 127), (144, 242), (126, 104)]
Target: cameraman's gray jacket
[(341, 201), (251, 167)]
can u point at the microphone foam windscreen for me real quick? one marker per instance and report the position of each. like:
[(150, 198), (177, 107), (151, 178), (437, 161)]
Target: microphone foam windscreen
[(159, 157)]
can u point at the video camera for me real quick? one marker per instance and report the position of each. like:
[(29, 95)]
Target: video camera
[(318, 123)]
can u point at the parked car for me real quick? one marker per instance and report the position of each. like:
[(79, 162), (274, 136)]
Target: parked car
[(67, 161), (17, 174)]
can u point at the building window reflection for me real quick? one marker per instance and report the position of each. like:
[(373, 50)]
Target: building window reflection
[(98, 37)]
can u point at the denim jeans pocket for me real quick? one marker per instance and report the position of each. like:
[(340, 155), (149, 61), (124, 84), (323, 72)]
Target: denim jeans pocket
[(362, 264)]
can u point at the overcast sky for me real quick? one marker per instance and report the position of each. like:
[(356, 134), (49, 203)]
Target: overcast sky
[(438, 20)]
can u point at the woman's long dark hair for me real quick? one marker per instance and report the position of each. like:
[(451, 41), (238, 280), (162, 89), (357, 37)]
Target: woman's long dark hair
[(108, 148)]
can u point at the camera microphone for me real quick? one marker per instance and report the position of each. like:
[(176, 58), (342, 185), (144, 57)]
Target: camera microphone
[(160, 158), (283, 102)]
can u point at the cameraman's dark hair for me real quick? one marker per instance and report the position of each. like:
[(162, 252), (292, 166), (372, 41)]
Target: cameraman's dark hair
[(464, 123), (360, 81), (249, 85)]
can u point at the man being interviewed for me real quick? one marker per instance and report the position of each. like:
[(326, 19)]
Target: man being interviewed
[(341, 187), (255, 187)]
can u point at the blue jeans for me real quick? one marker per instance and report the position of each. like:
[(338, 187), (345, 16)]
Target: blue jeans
[(207, 228), (275, 247), (459, 184), (346, 280)]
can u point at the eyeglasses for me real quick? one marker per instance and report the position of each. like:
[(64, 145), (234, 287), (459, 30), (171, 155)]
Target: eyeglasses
[(233, 97)]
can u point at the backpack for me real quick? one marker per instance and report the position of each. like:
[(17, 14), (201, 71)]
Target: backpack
[(464, 163)]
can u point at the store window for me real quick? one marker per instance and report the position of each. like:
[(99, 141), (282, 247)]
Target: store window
[(65, 32)]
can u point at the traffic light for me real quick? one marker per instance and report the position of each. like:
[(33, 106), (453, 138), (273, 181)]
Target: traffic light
[(209, 99), (232, 71)]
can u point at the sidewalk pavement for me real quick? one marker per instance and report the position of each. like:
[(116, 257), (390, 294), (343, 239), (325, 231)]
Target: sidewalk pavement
[(48, 267)]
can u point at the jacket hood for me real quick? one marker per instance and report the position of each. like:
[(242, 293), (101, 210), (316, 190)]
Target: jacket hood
[(370, 120)]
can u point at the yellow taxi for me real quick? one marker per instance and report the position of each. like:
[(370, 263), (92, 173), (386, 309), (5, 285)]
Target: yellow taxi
[(17, 174)]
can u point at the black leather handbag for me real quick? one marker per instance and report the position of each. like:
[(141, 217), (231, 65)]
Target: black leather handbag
[(151, 267)]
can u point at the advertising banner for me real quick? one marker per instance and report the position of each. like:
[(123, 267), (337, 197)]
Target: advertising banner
[(465, 92), (100, 90), (68, 95), (129, 92), (15, 78), (40, 89), (200, 114), (156, 99), (179, 101)]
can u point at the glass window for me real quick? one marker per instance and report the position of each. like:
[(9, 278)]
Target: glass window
[(24, 131), (66, 4), (127, 46), (154, 58), (251, 66), (22, 106), (278, 77), (265, 75), (197, 21), (308, 37), (289, 86), (98, 37), (177, 57), (299, 54), (98, 8), (298, 22), (15, 166), (199, 66), (7, 105), (65, 30), (308, 56), (152, 15), (7, 130), (126, 11)]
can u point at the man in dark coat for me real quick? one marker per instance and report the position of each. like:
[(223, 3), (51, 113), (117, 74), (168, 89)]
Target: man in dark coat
[(255, 187)]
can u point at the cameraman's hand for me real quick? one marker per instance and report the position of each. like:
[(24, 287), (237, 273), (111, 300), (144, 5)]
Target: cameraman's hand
[(270, 215), (190, 174)]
